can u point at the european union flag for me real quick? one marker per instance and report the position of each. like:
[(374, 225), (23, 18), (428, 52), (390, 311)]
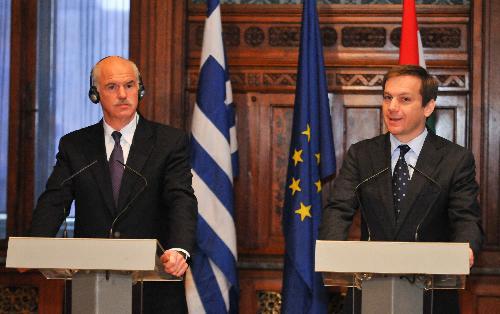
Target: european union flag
[(312, 158)]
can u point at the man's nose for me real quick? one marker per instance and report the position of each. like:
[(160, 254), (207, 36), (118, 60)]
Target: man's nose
[(393, 105), (121, 92)]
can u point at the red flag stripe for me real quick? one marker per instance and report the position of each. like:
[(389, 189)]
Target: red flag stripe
[(408, 49)]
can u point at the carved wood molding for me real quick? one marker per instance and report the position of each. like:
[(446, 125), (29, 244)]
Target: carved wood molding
[(268, 302), (342, 43), (351, 35), (29, 292), (338, 80), (286, 12), (19, 299)]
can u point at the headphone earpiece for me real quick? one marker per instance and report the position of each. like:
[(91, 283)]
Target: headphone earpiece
[(142, 90), (94, 94)]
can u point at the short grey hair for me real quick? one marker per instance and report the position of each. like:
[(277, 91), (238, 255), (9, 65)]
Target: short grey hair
[(96, 70)]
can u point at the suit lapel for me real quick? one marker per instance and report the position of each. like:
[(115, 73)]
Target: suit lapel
[(142, 145), (96, 150), (427, 161), (382, 160)]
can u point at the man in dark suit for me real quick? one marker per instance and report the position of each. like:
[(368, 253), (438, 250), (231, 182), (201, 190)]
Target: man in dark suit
[(436, 200), (113, 200)]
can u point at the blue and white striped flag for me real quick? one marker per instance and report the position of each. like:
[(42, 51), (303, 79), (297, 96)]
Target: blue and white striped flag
[(212, 283)]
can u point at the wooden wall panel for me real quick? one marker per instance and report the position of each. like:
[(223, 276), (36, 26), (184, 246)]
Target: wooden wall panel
[(361, 123), (267, 122), (157, 45), (491, 118)]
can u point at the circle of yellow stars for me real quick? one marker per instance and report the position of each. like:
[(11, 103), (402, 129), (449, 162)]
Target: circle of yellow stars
[(304, 210)]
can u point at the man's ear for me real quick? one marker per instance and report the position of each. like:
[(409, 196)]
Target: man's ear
[(429, 108)]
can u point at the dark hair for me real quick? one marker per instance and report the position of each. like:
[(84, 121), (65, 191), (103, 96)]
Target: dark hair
[(429, 88)]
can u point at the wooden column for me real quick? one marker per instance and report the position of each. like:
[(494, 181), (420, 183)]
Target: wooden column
[(157, 45), (22, 115), (486, 106)]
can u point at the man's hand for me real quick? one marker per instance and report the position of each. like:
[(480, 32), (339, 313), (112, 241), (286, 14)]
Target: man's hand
[(174, 263), (471, 257)]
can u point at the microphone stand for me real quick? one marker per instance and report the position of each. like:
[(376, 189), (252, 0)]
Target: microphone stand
[(127, 206), (359, 199)]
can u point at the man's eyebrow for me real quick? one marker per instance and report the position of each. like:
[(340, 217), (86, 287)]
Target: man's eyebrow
[(398, 95), (115, 83)]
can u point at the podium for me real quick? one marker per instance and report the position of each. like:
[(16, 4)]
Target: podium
[(102, 270), (392, 276)]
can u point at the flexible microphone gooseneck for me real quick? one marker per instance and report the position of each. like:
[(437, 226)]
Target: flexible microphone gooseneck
[(65, 223), (63, 182), (428, 209), (127, 206), (359, 200)]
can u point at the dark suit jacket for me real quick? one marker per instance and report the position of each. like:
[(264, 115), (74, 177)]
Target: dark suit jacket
[(165, 210), (441, 203)]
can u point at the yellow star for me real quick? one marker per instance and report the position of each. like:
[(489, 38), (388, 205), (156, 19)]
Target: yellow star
[(297, 156), (304, 211), (318, 157), (308, 133), (295, 186), (318, 185)]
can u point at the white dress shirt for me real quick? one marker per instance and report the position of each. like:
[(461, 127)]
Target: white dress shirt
[(126, 139), (411, 156)]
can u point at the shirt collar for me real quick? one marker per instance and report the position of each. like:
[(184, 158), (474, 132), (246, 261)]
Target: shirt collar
[(415, 144), (127, 131)]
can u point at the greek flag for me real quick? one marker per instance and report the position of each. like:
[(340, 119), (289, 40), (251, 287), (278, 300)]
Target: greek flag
[(212, 283)]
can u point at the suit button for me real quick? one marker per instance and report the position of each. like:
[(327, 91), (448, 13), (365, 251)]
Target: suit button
[(116, 235)]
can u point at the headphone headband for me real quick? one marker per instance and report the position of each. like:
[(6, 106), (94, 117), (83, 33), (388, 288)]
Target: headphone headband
[(94, 94)]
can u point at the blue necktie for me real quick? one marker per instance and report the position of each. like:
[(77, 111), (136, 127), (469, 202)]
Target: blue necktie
[(115, 167), (400, 179)]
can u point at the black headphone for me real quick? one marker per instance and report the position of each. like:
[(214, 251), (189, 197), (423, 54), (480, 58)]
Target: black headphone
[(94, 94)]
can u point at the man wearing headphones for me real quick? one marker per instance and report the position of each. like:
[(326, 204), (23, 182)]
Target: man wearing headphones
[(129, 178)]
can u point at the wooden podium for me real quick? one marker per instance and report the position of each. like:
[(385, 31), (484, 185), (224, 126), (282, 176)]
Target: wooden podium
[(392, 276), (102, 270)]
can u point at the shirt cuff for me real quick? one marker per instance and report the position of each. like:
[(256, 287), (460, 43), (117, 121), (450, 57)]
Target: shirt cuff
[(182, 250)]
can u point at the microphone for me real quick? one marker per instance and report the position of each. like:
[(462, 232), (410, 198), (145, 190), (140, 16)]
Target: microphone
[(359, 200), (428, 209), (63, 182), (126, 207), (425, 175), (370, 178)]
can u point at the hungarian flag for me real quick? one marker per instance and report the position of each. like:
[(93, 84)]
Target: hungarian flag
[(410, 48)]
